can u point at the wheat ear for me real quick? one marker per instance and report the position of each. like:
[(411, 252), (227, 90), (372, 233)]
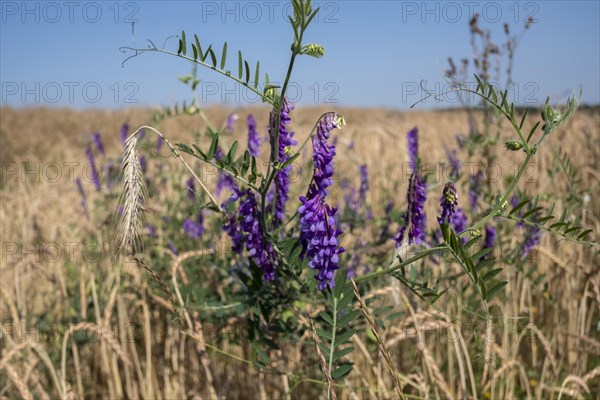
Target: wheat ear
[(127, 234)]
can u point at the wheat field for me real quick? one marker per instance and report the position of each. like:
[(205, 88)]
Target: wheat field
[(79, 325)]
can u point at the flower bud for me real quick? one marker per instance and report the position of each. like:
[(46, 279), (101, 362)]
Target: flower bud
[(513, 145), (314, 50)]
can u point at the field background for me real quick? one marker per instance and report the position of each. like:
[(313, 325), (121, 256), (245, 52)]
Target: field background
[(562, 357)]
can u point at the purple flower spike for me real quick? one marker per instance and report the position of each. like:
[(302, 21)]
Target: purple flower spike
[(224, 180), (82, 194), (533, 234), (94, 168), (413, 148), (151, 230), (124, 132), (190, 187), (99, 144), (490, 237), (253, 138), (282, 180), (159, 143), (173, 248), (323, 152), (320, 237), (448, 202), (194, 229), (231, 120), (455, 164), (475, 189), (364, 183), (459, 222), (414, 218), (319, 231), (261, 251)]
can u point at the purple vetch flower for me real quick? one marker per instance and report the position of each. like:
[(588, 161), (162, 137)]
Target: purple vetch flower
[(320, 238), (414, 218), (533, 234), (190, 188), (323, 152), (159, 143), (124, 132), (364, 183), (455, 164), (95, 177), (194, 228), (448, 202), (173, 248), (143, 164), (231, 120), (490, 237), (282, 180), (82, 194), (151, 230), (231, 225), (259, 249), (459, 222), (99, 144), (413, 148), (253, 138), (319, 231), (475, 182), (224, 180)]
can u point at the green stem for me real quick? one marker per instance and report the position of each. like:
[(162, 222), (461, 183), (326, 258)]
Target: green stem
[(502, 200), (394, 267)]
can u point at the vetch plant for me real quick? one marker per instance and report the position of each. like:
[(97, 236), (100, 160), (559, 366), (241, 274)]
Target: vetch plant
[(286, 253)]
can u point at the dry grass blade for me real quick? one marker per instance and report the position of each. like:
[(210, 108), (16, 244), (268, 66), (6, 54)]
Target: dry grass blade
[(127, 233), (321, 356), (380, 342)]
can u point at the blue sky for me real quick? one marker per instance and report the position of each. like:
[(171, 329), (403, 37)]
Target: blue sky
[(377, 52)]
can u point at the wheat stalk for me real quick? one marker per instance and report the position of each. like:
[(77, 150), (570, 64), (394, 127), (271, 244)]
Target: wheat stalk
[(127, 233)]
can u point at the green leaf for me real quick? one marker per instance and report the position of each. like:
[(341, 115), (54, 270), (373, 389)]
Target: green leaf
[(247, 71), (195, 51), (340, 282), (183, 43), (256, 74), (200, 152), (495, 289), (232, 151), (213, 146), (346, 319), (326, 317), (490, 274), (245, 163), (224, 56), (484, 263), (325, 334), (532, 211), (213, 57), (532, 131), (344, 337), (239, 64), (557, 225), (200, 53), (289, 161), (341, 371), (518, 207), (341, 353), (583, 234), (572, 229)]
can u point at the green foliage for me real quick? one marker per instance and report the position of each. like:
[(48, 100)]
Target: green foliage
[(336, 327)]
